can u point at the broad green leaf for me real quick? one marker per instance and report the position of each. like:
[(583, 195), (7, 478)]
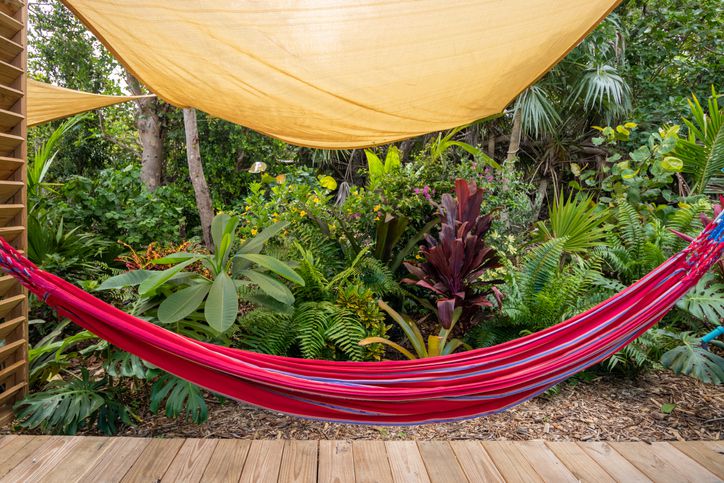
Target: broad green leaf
[(222, 305), (408, 327), (705, 301), (254, 245), (667, 408), (672, 164), (270, 286), (328, 182), (183, 303), (628, 173), (174, 258), (375, 167), (275, 265), (696, 362), (218, 227), (392, 159), (128, 279), (156, 279)]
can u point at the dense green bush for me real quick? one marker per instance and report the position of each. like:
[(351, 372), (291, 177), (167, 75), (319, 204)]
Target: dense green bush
[(116, 206)]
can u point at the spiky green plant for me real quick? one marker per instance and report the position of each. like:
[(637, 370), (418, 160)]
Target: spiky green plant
[(702, 152), (577, 219)]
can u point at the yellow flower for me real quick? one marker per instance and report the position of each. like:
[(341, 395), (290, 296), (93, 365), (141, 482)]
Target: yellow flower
[(511, 239), (376, 208), (494, 235), (377, 218), (302, 213), (254, 232), (512, 250)]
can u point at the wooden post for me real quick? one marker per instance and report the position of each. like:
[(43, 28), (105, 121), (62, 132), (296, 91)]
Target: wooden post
[(13, 203)]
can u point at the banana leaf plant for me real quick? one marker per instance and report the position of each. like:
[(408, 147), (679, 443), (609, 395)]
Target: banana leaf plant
[(436, 345), (216, 288), (456, 259)]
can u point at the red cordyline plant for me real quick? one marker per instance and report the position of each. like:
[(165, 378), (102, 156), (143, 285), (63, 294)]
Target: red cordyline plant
[(455, 260)]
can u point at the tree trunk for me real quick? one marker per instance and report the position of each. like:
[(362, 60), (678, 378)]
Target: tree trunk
[(515, 135), (196, 173), (509, 163), (148, 123)]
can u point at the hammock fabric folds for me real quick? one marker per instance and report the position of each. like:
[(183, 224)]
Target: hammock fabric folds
[(48, 103), (341, 73), (447, 388)]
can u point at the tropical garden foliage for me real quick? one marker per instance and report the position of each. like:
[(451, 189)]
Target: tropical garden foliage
[(448, 242)]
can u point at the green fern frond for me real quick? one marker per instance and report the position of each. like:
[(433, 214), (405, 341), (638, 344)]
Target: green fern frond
[(267, 332), (311, 322), (346, 332), (540, 265)]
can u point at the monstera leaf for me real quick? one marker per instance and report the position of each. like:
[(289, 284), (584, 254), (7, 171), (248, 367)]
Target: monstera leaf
[(705, 301), (693, 360), (65, 407)]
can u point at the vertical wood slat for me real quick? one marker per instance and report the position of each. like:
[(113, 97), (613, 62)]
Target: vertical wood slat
[(13, 202)]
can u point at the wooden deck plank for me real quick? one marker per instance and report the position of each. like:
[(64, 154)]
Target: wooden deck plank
[(663, 463), (581, 465), (336, 462), (406, 462), (709, 454), (476, 462), (115, 460), (190, 461), (44, 459), (79, 458), (227, 462), (510, 462), (16, 448), (370, 462), (441, 463), (153, 462), (299, 462), (263, 462), (615, 465), (51, 459), (544, 462)]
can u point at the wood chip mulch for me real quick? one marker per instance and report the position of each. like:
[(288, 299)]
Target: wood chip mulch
[(607, 408)]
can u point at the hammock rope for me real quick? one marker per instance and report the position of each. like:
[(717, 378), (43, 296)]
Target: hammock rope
[(440, 389)]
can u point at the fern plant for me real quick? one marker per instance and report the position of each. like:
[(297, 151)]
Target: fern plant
[(330, 316)]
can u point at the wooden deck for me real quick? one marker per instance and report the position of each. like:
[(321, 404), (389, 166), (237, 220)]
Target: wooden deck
[(95, 459)]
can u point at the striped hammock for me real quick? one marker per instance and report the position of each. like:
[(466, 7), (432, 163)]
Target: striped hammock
[(448, 388)]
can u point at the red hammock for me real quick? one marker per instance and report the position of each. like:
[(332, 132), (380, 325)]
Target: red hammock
[(447, 388)]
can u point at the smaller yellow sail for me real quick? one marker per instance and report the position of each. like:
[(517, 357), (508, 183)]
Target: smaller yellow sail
[(48, 103)]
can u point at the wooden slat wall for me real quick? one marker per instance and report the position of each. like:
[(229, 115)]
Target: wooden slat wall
[(13, 154)]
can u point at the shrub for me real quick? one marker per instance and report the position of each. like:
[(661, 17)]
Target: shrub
[(116, 206)]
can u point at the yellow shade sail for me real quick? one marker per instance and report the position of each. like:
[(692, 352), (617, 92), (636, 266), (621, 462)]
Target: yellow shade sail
[(48, 103), (341, 73)]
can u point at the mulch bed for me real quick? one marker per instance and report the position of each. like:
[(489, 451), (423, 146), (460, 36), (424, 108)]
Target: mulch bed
[(606, 408)]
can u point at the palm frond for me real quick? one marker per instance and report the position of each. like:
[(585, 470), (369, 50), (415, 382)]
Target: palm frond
[(539, 115)]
